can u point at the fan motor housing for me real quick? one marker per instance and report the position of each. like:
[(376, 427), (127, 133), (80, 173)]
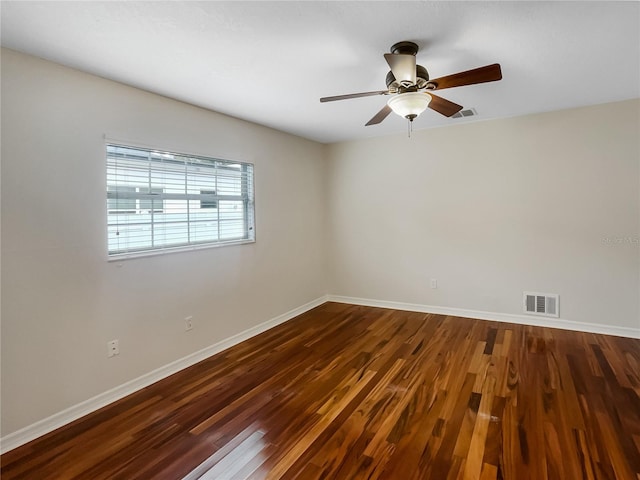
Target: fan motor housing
[(422, 77)]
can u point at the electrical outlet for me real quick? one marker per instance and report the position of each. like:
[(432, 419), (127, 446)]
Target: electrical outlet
[(434, 283), (113, 348), (188, 323)]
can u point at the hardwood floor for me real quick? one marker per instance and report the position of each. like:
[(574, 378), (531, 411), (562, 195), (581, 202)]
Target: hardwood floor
[(348, 392)]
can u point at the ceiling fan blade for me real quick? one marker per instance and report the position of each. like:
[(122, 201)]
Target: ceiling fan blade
[(353, 95), (488, 73), (380, 116), (403, 66), (443, 106)]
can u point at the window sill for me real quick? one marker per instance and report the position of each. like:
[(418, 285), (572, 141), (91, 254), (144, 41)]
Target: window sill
[(118, 257)]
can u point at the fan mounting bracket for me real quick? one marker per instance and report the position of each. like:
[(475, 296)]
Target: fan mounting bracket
[(404, 48)]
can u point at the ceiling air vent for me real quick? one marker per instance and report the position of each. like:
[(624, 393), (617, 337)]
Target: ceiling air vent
[(469, 112), (546, 304)]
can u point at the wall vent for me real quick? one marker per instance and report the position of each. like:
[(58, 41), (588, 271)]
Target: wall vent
[(469, 112), (546, 304)]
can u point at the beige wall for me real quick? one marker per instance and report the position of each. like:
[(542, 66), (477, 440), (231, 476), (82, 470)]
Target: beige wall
[(62, 301), (492, 209)]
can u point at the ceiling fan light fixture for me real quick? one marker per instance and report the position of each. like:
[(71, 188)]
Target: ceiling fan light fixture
[(409, 105)]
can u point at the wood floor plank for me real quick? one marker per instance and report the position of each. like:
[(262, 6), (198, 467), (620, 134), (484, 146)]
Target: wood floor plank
[(351, 392)]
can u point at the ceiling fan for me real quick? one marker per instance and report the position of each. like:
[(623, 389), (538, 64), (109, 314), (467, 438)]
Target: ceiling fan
[(412, 89)]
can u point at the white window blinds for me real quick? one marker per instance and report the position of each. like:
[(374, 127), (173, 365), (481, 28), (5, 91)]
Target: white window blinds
[(161, 200)]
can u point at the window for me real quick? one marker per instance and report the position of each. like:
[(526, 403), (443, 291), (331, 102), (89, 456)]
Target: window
[(123, 199), (154, 203), (167, 201), (117, 201), (206, 202)]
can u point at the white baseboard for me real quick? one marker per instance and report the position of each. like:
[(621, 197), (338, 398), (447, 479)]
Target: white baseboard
[(498, 317), (57, 420)]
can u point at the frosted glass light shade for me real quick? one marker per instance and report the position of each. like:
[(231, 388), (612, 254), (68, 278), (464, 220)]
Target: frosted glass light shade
[(410, 104)]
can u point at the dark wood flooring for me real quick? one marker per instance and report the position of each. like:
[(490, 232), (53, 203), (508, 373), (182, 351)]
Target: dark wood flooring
[(349, 392)]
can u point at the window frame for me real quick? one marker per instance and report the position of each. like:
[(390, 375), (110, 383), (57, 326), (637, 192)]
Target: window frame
[(247, 196)]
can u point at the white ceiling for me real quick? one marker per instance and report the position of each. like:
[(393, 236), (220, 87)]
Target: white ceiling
[(270, 62)]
